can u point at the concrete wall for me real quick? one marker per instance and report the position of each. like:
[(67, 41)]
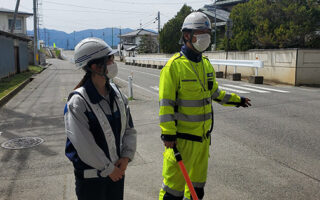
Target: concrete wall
[(288, 66), (308, 67), (3, 22), (6, 56), (155, 55)]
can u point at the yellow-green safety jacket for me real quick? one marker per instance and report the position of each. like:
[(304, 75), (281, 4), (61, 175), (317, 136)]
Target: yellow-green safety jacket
[(186, 89)]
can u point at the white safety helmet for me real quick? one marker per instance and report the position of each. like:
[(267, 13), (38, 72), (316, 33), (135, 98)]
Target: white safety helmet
[(196, 21), (90, 49)]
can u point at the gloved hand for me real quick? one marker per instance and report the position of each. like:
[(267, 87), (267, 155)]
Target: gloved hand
[(169, 140), (169, 144), (245, 102)]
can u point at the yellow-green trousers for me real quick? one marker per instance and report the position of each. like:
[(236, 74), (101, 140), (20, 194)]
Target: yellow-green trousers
[(195, 158)]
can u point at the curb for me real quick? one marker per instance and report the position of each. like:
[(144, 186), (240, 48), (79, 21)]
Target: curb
[(9, 96)]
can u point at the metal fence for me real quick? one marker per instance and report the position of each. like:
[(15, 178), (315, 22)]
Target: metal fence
[(6, 56), (13, 54)]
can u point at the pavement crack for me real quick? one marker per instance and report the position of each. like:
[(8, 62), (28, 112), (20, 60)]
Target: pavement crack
[(296, 170)]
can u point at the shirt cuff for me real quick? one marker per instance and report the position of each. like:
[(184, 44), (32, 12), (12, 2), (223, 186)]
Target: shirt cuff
[(168, 137)]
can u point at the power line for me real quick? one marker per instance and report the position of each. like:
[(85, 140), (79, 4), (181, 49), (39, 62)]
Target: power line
[(163, 3), (86, 7), (85, 11), (148, 22)]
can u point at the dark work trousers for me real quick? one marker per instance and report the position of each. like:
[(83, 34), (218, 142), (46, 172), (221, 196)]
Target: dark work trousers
[(99, 189)]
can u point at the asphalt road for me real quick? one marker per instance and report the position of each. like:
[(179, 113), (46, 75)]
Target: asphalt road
[(277, 139), (268, 151)]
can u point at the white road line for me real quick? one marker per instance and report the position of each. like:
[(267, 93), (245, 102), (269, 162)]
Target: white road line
[(139, 71), (233, 90), (154, 93), (156, 88), (270, 89), (244, 88)]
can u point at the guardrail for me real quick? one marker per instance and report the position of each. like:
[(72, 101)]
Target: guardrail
[(146, 59), (236, 63), (239, 63)]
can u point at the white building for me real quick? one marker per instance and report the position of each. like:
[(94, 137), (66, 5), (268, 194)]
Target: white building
[(6, 19), (130, 41)]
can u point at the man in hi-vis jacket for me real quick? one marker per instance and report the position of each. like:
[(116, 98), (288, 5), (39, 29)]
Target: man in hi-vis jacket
[(186, 89)]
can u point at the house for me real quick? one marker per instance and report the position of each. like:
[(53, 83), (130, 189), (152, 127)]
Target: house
[(131, 41), (6, 19), (220, 10), (219, 13), (14, 56)]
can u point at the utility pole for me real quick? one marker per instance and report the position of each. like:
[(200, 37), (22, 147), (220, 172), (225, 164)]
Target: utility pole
[(13, 25), (48, 38), (159, 31), (215, 25), (74, 39), (35, 37), (38, 24), (45, 37), (104, 39), (120, 44), (229, 35), (112, 37)]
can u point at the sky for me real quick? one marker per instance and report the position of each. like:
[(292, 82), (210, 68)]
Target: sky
[(76, 15)]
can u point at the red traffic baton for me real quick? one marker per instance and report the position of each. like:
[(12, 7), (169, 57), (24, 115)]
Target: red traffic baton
[(185, 173)]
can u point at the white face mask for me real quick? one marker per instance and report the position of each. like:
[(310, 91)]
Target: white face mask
[(112, 70), (202, 43)]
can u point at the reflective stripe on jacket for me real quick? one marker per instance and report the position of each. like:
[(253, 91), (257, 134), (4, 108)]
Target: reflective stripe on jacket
[(186, 89), (98, 132)]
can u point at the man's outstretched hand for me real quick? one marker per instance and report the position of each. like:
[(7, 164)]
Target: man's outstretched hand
[(245, 102)]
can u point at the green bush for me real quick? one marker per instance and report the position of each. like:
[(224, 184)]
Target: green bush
[(58, 53), (170, 34)]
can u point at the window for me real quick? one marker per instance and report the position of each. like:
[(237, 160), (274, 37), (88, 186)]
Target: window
[(18, 24)]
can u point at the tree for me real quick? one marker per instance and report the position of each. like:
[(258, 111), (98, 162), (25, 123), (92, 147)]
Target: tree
[(275, 24), (298, 22), (242, 28), (170, 34), (147, 45)]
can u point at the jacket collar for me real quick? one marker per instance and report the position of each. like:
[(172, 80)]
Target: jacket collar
[(93, 93), (190, 54)]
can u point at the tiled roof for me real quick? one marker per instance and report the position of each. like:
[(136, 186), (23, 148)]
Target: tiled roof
[(139, 32)]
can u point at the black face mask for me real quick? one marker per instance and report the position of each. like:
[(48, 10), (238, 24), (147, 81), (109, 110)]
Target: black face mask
[(191, 55)]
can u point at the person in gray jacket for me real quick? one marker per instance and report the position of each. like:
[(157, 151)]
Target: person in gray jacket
[(101, 139)]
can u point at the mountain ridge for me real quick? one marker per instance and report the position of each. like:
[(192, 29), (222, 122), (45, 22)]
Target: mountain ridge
[(69, 40)]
